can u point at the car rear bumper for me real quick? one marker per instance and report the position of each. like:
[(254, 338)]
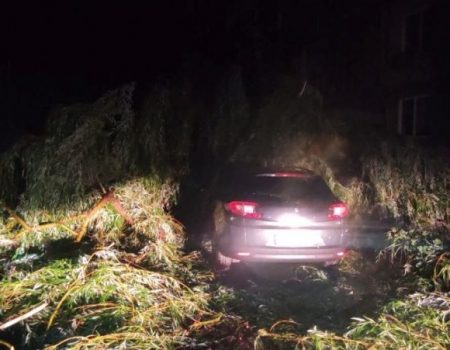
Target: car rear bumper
[(257, 244), (265, 254)]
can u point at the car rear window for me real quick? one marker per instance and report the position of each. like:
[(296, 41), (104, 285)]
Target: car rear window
[(292, 188)]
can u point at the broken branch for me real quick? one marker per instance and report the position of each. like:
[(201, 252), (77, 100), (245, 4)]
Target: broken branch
[(23, 317)]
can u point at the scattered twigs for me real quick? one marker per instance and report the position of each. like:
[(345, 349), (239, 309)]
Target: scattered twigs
[(401, 327), (23, 317), (107, 198), (207, 323), (276, 324), (56, 225), (67, 340), (16, 217), (6, 345), (345, 340), (58, 307)]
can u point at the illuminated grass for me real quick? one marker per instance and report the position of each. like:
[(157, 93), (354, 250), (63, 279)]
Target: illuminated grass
[(413, 323), (102, 295)]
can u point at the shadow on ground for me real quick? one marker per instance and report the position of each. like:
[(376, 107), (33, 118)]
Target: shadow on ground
[(327, 298)]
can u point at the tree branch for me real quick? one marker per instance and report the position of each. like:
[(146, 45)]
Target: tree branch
[(23, 317)]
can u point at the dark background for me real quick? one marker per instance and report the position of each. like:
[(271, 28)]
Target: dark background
[(63, 51)]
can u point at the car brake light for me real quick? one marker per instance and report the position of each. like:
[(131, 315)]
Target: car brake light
[(244, 209), (337, 211)]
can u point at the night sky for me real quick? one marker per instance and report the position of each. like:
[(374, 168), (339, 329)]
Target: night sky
[(62, 51), (68, 51)]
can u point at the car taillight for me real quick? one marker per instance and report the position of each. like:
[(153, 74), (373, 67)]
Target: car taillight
[(337, 211), (244, 209)]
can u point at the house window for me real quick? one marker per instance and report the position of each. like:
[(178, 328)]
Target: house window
[(416, 32), (414, 116)]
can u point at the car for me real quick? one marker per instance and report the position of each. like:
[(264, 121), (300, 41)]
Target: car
[(287, 216)]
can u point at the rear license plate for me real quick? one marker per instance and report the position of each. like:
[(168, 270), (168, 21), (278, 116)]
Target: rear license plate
[(306, 238)]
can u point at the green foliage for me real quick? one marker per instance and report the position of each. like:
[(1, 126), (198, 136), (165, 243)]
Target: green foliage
[(97, 150), (411, 183), (418, 248), (105, 177), (163, 129), (99, 294), (144, 201), (94, 145), (20, 288), (423, 253), (124, 283), (441, 275), (418, 322)]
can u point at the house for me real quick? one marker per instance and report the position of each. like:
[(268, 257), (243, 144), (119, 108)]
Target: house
[(415, 70)]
